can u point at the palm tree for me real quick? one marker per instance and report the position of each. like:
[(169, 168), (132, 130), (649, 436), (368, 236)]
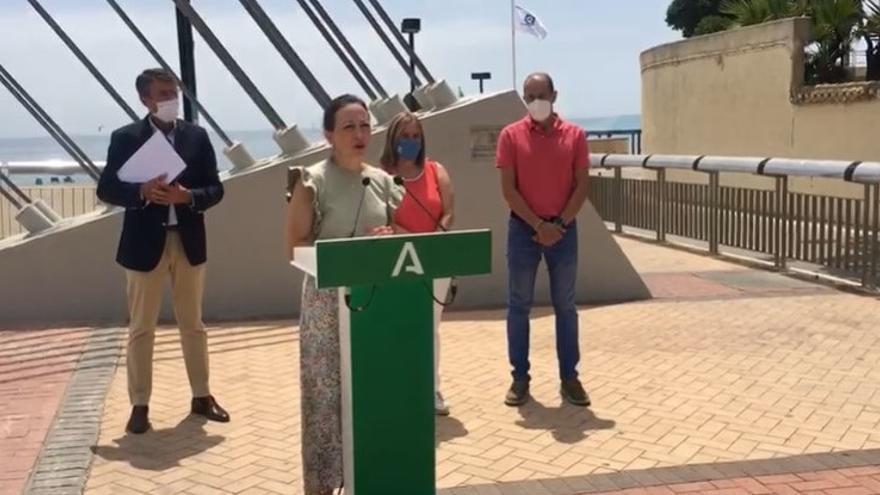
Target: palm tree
[(750, 12), (834, 27)]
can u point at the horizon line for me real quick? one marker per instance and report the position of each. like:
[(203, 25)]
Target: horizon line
[(269, 130)]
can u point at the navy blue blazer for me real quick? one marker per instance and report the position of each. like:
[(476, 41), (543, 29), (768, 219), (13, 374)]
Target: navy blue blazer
[(145, 226)]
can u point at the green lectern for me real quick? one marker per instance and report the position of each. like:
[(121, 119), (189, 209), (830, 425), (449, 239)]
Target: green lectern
[(386, 321)]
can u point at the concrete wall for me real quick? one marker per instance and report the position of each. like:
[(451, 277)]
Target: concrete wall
[(69, 274), (740, 93)]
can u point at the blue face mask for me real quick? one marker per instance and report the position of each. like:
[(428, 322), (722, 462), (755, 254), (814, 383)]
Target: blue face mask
[(409, 148)]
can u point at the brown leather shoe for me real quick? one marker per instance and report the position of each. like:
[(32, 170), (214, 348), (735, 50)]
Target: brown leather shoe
[(208, 407), (139, 421), (518, 394), (574, 393)]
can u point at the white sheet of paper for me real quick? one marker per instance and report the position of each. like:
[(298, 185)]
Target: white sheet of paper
[(154, 158)]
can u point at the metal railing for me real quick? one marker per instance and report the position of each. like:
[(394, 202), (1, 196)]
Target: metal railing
[(823, 215), (49, 184), (67, 200), (819, 214)]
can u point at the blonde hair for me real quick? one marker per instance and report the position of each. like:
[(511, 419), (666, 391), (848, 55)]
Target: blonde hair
[(389, 157)]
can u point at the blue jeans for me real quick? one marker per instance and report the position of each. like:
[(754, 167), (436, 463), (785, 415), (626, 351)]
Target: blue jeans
[(523, 257)]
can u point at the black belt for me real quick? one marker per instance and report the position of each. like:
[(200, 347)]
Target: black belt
[(172, 228)]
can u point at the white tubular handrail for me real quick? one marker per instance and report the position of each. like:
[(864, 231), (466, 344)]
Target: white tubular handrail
[(849, 171)]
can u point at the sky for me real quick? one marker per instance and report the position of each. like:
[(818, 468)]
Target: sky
[(592, 51)]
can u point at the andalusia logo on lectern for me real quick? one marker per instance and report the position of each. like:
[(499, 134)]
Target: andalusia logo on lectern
[(408, 260)]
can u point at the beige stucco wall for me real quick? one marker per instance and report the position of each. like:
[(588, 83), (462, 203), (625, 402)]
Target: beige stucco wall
[(731, 93)]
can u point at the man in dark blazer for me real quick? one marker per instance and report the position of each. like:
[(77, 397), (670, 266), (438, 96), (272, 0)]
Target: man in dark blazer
[(163, 236)]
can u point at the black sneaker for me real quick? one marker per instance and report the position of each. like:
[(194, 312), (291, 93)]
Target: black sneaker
[(518, 394), (573, 392)]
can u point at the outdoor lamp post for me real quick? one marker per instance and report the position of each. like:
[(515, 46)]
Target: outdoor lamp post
[(481, 76), (411, 26)]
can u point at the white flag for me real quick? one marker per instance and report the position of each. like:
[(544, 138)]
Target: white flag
[(527, 22)]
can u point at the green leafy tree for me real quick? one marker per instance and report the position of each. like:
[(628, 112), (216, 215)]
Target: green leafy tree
[(750, 12), (713, 24), (835, 24), (686, 15)]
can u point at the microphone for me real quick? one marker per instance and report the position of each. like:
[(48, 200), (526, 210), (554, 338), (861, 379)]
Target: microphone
[(366, 183), (437, 225)]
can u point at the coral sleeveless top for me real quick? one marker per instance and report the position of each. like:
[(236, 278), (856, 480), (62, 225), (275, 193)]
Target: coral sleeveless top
[(426, 189)]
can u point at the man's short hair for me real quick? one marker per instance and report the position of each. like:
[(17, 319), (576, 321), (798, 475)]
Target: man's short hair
[(146, 78), (544, 76)]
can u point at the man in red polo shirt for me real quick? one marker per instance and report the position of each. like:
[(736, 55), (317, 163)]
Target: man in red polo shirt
[(544, 165)]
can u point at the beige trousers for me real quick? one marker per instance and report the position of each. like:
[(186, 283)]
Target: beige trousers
[(441, 289), (144, 303)]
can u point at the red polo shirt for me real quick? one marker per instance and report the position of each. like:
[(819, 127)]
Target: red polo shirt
[(544, 161)]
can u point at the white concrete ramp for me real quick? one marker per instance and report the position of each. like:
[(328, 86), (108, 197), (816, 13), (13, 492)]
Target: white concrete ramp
[(69, 275)]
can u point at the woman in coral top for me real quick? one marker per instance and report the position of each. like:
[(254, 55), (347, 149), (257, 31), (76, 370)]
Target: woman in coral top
[(426, 207)]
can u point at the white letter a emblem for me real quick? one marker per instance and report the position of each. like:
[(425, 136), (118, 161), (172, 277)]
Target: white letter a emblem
[(414, 266)]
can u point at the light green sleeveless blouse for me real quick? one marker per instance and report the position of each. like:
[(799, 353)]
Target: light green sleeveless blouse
[(338, 193)]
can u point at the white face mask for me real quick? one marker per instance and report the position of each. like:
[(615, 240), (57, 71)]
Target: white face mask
[(540, 110), (167, 111)]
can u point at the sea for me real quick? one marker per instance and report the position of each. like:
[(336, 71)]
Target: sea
[(44, 150)]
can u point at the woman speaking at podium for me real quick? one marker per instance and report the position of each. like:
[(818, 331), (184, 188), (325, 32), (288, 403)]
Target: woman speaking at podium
[(336, 198), (426, 207)]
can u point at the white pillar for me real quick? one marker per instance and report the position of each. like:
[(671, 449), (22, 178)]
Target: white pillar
[(375, 107), (291, 140), (423, 98), (393, 106), (47, 211), (442, 95), (32, 219), (239, 156)]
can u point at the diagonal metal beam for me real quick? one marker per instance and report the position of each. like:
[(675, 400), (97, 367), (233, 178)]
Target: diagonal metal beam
[(11, 185), (385, 39), (156, 55), (287, 52), (9, 197), (348, 48), (337, 49), (43, 118), (231, 65), (397, 34), (84, 59)]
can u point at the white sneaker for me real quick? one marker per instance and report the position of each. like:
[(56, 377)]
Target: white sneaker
[(440, 407)]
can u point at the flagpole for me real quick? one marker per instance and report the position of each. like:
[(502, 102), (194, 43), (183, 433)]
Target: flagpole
[(513, 39)]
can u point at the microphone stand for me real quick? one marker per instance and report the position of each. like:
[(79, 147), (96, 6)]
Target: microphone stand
[(366, 183), (453, 286)]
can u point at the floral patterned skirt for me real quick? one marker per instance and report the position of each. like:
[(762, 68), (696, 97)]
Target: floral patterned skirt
[(320, 389)]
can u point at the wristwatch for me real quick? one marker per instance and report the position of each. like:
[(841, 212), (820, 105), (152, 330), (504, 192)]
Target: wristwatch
[(558, 221)]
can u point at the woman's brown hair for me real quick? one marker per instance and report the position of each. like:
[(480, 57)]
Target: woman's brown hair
[(389, 157)]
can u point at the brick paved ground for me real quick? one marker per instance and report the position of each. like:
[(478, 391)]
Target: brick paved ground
[(727, 365), (853, 481), (35, 367)]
